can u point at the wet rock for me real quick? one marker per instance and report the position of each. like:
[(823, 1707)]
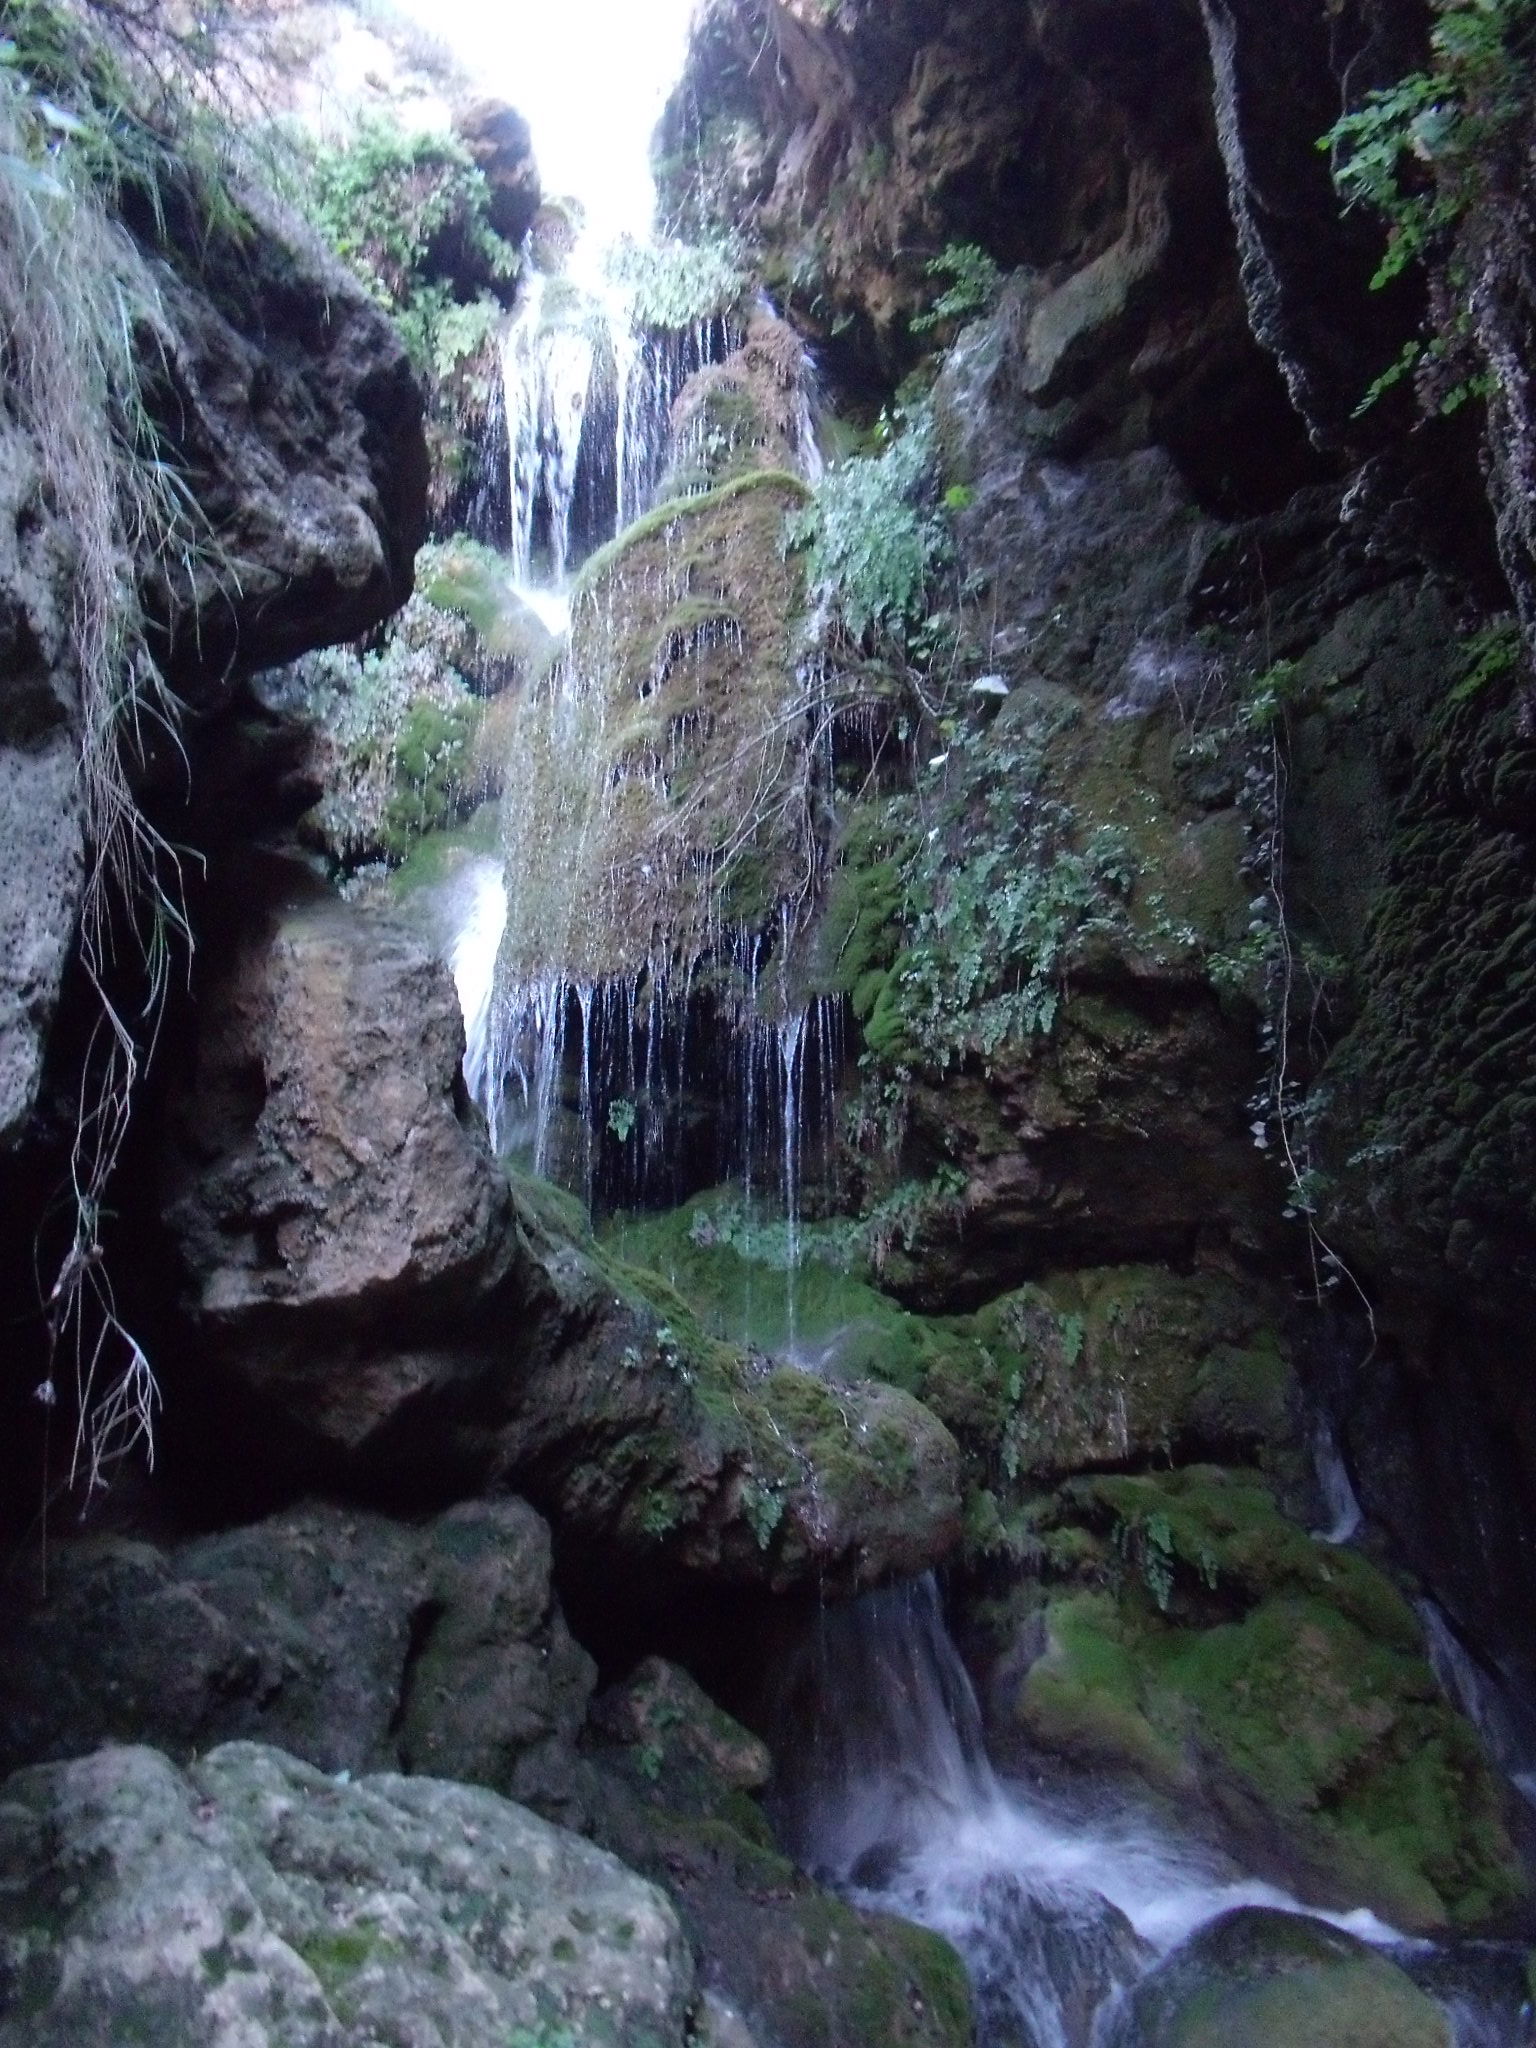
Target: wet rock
[(356, 1643), (368, 1303), (1260, 1979), (1048, 1961), (781, 1960), (252, 1895), (659, 1702), (1192, 1639)]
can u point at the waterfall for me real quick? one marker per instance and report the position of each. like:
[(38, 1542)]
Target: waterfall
[(1340, 1502), (1506, 1725), (618, 955), (1057, 1905)]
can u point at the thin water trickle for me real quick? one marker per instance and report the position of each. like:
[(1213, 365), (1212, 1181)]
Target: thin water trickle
[(1340, 1502), (1506, 1725)]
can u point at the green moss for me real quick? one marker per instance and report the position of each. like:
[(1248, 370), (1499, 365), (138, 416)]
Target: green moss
[(1220, 1638), (337, 1955), (1083, 1698), (749, 1297), (781, 482)]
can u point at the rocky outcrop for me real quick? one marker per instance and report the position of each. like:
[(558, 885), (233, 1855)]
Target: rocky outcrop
[(1185, 1636), (40, 809), (363, 1291), (290, 406), (1259, 1977), (1077, 145), (284, 401), (253, 1897), (355, 1643)]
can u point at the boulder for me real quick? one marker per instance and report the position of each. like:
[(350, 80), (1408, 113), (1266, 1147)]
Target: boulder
[(781, 1960), (364, 1299), (250, 1897), (355, 1643), (498, 139), (1187, 1637), (322, 1169), (1261, 1979)]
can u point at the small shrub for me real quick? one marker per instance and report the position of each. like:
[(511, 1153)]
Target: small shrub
[(974, 284), (681, 284), (876, 540)]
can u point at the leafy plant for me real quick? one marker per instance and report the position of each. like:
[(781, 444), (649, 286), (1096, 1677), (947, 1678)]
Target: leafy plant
[(974, 284), (1421, 153), (621, 1119), (876, 541), (394, 206), (763, 1507), (1493, 652), (681, 284)]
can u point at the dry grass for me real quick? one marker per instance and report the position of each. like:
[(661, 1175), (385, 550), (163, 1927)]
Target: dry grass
[(78, 312)]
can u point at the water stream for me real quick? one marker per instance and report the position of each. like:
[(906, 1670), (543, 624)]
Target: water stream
[(1057, 1902)]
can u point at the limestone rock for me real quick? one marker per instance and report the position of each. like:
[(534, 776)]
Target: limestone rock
[(40, 820), (299, 428), (1260, 1979), (498, 139), (357, 1644), (323, 1165), (253, 1899), (368, 1304)]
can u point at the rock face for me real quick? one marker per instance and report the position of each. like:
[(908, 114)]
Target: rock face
[(285, 401), (362, 1288), (356, 1643), (39, 803), (331, 1168), (1076, 144), (254, 1899), (297, 422)]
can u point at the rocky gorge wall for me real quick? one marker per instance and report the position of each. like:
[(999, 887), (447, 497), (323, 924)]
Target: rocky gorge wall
[(446, 1473)]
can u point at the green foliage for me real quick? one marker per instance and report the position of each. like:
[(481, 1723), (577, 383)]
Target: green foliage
[(995, 926), (680, 284), (150, 127), (763, 1507), (389, 202), (875, 538), (1269, 696), (974, 284), (1421, 153), (401, 728), (621, 1118)]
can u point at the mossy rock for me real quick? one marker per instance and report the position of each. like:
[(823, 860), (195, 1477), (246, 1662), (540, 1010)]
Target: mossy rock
[(1209, 1646), (1261, 1979)]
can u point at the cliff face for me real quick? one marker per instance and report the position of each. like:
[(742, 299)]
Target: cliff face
[(1187, 290), (286, 404)]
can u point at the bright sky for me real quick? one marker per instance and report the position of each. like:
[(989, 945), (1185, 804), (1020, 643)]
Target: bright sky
[(592, 77)]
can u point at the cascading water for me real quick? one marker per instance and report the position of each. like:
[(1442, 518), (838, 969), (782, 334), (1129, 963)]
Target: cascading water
[(1057, 1906), (1506, 1725)]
